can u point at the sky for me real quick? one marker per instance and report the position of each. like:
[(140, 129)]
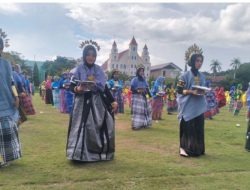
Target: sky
[(42, 31)]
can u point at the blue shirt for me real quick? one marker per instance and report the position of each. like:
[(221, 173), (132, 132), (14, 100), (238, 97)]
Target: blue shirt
[(7, 107), (191, 106)]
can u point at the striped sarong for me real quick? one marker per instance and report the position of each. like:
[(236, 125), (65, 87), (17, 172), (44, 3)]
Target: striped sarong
[(10, 148), (141, 112)]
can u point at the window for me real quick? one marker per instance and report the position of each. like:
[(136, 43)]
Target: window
[(121, 66), (133, 48), (112, 66), (117, 66), (131, 66), (146, 59), (135, 57), (124, 66), (114, 57)]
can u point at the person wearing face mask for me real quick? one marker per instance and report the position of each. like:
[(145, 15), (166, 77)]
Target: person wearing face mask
[(140, 105), (10, 148), (191, 107), (115, 85), (91, 133)]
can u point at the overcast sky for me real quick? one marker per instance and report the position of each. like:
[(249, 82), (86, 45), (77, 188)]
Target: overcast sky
[(47, 30)]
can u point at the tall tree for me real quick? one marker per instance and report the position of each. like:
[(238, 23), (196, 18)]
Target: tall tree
[(36, 75), (215, 67), (235, 64)]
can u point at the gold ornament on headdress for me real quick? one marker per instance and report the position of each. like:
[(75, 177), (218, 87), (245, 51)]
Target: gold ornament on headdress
[(193, 49), (3, 35), (90, 42), (140, 66)]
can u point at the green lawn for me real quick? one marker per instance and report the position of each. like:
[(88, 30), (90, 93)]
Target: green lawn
[(146, 159)]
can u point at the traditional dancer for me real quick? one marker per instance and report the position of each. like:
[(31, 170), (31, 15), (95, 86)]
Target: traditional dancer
[(171, 99), (192, 106), (10, 148), (237, 100), (91, 134), (115, 85), (140, 106), (158, 93)]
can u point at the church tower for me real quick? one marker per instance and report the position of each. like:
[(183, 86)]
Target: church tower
[(133, 49), (114, 52), (145, 55)]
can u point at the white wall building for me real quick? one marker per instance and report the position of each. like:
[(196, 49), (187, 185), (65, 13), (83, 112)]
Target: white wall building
[(127, 60)]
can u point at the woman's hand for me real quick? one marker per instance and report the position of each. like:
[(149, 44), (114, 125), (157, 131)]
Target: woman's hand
[(114, 106), (79, 89)]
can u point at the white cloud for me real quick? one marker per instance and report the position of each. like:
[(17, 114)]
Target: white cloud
[(164, 26), (7, 8)]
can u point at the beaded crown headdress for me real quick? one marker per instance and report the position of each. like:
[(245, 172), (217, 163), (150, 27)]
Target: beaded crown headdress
[(90, 42), (139, 66), (193, 49)]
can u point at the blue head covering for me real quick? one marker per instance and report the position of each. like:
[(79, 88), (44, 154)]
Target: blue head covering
[(85, 53), (159, 81)]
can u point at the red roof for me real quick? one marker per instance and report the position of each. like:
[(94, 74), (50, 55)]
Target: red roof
[(121, 54), (105, 65), (133, 42)]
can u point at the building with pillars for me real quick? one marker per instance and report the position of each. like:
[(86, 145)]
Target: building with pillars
[(127, 60)]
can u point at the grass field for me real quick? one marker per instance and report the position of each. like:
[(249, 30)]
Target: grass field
[(146, 159)]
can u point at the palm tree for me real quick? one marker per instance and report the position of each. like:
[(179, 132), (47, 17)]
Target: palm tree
[(235, 64), (215, 66)]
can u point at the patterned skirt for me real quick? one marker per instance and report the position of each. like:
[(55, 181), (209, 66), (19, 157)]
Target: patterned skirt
[(62, 101), (26, 105), (172, 105), (157, 106), (141, 112), (56, 98), (10, 148)]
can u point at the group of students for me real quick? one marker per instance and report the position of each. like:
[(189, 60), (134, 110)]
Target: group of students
[(91, 132), (55, 91)]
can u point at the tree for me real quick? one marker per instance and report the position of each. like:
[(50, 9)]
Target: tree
[(235, 64), (215, 66), (58, 66), (3, 35), (36, 75), (15, 58), (243, 74)]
